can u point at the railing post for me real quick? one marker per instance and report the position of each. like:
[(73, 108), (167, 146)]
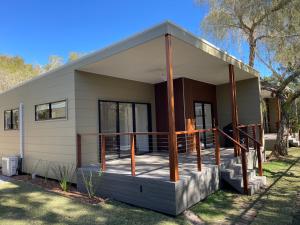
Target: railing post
[(260, 127), (198, 149), (217, 146), (247, 139), (260, 170), (132, 154), (254, 136), (78, 140), (103, 153), (244, 169)]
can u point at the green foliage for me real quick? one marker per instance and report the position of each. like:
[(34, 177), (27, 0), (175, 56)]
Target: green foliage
[(14, 70), (252, 21), (74, 56), (54, 61), (64, 173), (88, 183)]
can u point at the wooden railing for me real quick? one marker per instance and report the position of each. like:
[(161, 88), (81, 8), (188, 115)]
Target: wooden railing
[(256, 144), (109, 142), (193, 136), (244, 160), (193, 142)]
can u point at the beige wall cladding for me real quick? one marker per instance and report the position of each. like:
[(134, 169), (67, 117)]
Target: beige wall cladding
[(44, 141), (248, 100), (89, 88)]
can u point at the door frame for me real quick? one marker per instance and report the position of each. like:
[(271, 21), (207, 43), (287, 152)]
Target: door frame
[(203, 117), (149, 115)]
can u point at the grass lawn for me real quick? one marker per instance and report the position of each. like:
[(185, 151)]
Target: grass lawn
[(278, 203), (22, 203)]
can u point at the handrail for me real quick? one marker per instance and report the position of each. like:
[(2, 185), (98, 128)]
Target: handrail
[(248, 125), (253, 139), (244, 161), (126, 133), (194, 131), (257, 147), (234, 141)]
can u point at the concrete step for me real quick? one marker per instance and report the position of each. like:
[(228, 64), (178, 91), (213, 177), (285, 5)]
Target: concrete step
[(293, 142)]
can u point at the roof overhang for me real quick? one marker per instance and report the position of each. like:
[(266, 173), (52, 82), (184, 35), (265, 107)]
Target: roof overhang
[(142, 58)]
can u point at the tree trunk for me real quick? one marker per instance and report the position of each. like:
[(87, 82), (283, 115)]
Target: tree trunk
[(252, 48), (281, 144)]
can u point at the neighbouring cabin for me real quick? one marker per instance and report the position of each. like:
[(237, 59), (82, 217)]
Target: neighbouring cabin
[(150, 113)]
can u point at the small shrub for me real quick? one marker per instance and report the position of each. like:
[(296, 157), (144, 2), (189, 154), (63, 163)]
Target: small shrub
[(88, 183), (64, 174)]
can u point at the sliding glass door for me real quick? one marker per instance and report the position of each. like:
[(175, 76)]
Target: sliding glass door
[(123, 117), (125, 125), (142, 125), (203, 120)]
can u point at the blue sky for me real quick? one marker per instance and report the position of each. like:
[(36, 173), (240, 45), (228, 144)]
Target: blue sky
[(36, 29)]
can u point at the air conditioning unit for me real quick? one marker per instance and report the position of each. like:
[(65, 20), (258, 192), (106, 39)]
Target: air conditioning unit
[(9, 165)]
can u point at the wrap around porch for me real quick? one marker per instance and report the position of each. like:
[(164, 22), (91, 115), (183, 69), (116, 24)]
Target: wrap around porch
[(199, 90)]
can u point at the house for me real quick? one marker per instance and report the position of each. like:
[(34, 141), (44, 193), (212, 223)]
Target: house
[(271, 118), (160, 143)]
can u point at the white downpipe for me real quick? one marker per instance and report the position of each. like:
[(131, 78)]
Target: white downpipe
[(21, 129)]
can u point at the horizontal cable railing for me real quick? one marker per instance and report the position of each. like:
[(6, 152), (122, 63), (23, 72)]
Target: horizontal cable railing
[(118, 145), (130, 144)]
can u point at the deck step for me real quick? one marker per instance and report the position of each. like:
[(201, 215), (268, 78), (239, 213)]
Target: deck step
[(232, 174), (293, 142)]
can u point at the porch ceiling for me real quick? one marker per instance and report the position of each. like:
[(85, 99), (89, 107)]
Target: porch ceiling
[(192, 58)]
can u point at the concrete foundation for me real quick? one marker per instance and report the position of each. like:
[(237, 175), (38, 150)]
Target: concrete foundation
[(156, 194)]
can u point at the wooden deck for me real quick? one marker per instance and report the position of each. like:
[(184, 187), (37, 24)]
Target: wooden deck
[(156, 165), (151, 187)]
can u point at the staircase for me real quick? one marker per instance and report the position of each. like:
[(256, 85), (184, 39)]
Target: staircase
[(293, 142), (231, 173)]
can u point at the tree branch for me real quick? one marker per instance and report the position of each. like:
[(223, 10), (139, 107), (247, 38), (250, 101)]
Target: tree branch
[(269, 66), (277, 7), (289, 79), (274, 36), (293, 97)]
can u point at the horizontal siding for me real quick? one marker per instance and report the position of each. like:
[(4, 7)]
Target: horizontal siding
[(89, 88), (48, 141)]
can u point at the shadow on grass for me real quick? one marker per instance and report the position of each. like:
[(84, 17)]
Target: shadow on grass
[(23, 203), (277, 199)]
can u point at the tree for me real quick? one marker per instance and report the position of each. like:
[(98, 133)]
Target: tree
[(74, 56), (54, 61), (284, 83), (272, 27), (249, 20), (13, 70)]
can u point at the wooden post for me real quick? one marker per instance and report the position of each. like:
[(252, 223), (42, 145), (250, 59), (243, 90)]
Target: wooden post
[(260, 170), (173, 157), (78, 140), (198, 149), (217, 147), (260, 127), (103, 153), (244, 169), (234, 109), (247, 139), (132, 155), (254, 136)]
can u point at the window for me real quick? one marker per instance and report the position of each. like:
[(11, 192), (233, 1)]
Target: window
[(52, 110), (11, 119)]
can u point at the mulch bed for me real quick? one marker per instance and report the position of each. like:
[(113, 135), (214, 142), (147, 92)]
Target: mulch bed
[(53, 186)]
